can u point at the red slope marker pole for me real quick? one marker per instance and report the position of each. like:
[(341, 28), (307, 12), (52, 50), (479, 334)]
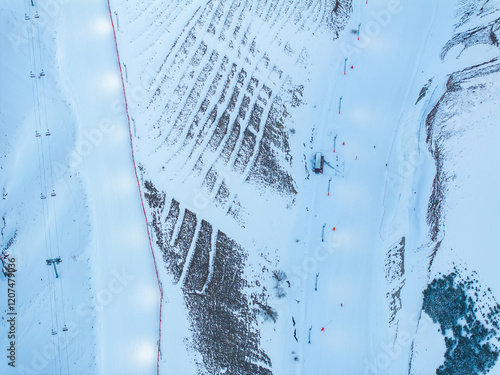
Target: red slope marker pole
[(326, 325)]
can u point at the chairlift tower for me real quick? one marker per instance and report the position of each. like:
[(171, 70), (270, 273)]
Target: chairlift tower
[(55, 261)]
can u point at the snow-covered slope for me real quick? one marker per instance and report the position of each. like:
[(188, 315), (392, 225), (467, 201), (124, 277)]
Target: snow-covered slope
[(461, 133), (90, 216)]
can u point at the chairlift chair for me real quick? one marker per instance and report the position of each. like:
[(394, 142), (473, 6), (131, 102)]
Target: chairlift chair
[(32, 75), (54, 332), (36, 14), (53, 194), (65, 328), (42, 74), (42, 196), (47, 132), (26, 17), (37, 134)]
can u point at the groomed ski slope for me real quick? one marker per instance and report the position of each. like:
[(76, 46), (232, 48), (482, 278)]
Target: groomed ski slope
[(127, 306), (397, 39)]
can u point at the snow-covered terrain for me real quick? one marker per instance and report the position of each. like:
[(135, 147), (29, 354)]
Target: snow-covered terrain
[(181, 161), (106, 293)]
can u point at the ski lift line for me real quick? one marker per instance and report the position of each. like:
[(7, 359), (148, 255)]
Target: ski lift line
[(48, 250), (39, 45), (32, 47), (52, 319), (51, 174), (42, 185), (55, 362), (53, 293), (40, 91), (34, 108), (36, 92), (65, 328)]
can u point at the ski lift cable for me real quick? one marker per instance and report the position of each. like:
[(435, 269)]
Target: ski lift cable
[(32, 47), (37, 120), (52, 315), (43, 185), (39, 45), (52, 287), (54, 222), (61, 287), (47, 236), (57, 325), (42, 182), (41, 93), (55, 362), (41, 163)]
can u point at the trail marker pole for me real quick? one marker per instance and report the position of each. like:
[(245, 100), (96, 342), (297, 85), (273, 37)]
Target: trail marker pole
[(340, 104), (117, 24), (316, 283), (334, 142), (329, 182), (323, 233), (359, 27), (310, 328), (345, 65)]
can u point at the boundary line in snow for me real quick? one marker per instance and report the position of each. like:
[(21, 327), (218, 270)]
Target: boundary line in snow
[(138, 185)]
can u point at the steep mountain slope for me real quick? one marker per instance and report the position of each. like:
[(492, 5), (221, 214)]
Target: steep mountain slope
[(463, 208)]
